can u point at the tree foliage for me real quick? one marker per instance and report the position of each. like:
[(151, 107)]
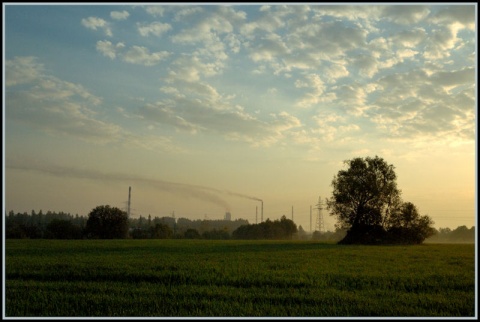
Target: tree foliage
[(366, 201), (107, 222), (63, 229), (277, 229)]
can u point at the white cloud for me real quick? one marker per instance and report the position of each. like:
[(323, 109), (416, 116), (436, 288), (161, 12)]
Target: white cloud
[(348, 12), (463, 14), (22, 70), (191, 69), (155, 10), (201, 109), (95, 23), (107, 49), (155, 28), (269, 48), (185, 12), (142, 56), (417, 105), (334, 72), (314, 82), (406, 14), (410, 38), (119, 15), (133, 55), (60, 107), (352, 98)]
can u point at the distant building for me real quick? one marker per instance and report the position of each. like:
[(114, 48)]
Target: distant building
[(228, 216)]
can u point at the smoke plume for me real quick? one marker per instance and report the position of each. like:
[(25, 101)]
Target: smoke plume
[(187, 190)]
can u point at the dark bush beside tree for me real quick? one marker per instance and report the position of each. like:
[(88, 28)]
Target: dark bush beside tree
[(62, 229), (161, 231), (192, 234)]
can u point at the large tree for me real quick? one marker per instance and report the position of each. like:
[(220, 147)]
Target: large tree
[(107, 222), (366, 201)]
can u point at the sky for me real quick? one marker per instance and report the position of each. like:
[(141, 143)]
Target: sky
[(207, 108)]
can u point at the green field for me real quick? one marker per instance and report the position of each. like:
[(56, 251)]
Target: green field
[(186, 278)]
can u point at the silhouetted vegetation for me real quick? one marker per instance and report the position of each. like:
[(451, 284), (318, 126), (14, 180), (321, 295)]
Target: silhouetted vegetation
[(63, 229), (277, 229), (461, 234), (367, 202), (61, 225), (107, 222), (34, 225)]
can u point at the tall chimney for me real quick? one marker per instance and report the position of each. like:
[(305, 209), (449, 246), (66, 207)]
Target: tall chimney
[(129, 193), (262, 211), (256, 214)]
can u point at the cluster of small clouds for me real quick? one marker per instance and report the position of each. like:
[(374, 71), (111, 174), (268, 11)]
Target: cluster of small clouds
[(63, 108), (405, 69), (134, 55)]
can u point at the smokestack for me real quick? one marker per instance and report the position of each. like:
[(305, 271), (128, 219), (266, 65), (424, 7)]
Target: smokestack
[(262, 209), (129, 193), (256, 214), (292, 213)]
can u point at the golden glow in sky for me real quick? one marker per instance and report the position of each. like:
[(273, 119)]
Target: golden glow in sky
[(204, 109)]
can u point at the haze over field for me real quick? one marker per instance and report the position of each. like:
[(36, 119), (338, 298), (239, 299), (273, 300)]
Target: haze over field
[(204, 109)]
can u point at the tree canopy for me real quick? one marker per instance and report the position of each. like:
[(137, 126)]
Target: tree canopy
[(107, 222), (277, 229), (366, 201)]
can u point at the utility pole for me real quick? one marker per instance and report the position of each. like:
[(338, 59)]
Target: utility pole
[(310, 218)]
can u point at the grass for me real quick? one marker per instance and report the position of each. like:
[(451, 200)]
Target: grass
[(198, 278)]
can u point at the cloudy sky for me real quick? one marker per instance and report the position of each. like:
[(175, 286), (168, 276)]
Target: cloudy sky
[(207, 108)]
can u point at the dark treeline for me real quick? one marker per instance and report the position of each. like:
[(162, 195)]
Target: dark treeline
[(61, 225), (168, 227), (277, 229), (461, 234)]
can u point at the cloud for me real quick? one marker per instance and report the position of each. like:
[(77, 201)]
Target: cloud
[(119, 15), (95, 23), (201, 109), (185, 12), (463, 14), (269, 48), (22, 70), (405, 14), (154, 28), (417, 105), (192, 68), (454, 78), (410, 38), (314, 82), (155, 10), (62, 108), (348, 12), (134, 55), (142, 56), (108, 49)]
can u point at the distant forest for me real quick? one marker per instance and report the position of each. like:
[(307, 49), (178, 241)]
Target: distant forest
[(61, 225)]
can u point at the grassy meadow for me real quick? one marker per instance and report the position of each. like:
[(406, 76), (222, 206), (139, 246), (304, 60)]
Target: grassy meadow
[(200, 278)]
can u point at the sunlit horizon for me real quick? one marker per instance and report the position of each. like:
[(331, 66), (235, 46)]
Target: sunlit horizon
[(205, 108)]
